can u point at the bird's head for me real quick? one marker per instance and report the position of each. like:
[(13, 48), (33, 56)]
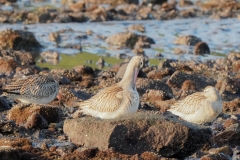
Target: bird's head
[(212, 92)]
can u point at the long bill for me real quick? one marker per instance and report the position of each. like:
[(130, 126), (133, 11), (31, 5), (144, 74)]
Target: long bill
[(134, 78)]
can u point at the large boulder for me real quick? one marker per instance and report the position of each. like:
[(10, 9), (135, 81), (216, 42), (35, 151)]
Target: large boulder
[(137, 133), (18, 40)]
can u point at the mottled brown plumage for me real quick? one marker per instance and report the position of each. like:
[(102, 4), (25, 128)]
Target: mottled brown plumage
[(39, 89)]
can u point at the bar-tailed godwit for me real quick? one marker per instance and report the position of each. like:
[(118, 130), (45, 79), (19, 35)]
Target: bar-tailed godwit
[(118, 99), (200, 107)]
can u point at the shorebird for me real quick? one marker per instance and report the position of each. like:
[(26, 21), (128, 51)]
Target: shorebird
[(38, 89), (200, 107), (118, 99)]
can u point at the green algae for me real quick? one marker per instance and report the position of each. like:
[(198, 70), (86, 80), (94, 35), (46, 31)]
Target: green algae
[(70, 61), (218, 54)]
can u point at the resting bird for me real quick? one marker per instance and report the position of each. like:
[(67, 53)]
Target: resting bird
[(118, 99), (200, 107), (37, 89)]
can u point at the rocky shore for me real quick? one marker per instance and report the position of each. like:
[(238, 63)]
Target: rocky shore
[(108, 10), (53, 131), (58, 131)]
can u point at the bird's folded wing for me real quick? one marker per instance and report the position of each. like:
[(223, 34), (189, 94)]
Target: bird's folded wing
[(107, 100), (14, 87), (190, 104)]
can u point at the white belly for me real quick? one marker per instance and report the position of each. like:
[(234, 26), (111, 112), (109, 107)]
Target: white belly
[(122, 109), (41, 100)]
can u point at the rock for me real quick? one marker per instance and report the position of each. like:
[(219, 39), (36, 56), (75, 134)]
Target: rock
[(155, 95), (165, 64), (143, 43), (50, 54), (44, 133), (35, 120), (137, 27), (143, 84), (178, 78), (111, 2), (26, 71), (65, 148), (137, 133), (185, 3), (19, 57), (38, 17), (138, 51), (7, 65), (179, 51), (18, 40), (78, 17), (61, 79), (162, 105), (231, 105), (154, 1), (84, 70), (78, 6), (54, 37), (7, 153), (3, 18), (63, 18), (100, 12), (84, 152), (230, 122), (236, 153), (7, 127), (100, 63), (187, 40), (230, 137), (68, 96), (71, 74), (128, 39), (233, 56), (159, 74), (89, 32), (216, 157), (14, 142), (225, 150), (188, 85), (150, 155), (201, 48), (4, 104), (31, 115), (124, 39), (7, 1), (236, 66)]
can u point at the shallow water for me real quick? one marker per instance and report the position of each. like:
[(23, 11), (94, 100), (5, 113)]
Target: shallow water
[(220, 35)]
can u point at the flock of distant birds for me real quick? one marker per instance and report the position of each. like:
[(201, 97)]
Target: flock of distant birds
[(119, 99)]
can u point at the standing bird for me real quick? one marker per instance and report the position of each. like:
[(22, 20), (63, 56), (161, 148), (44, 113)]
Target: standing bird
[(38, 89), (118, 99), (200, 107)]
